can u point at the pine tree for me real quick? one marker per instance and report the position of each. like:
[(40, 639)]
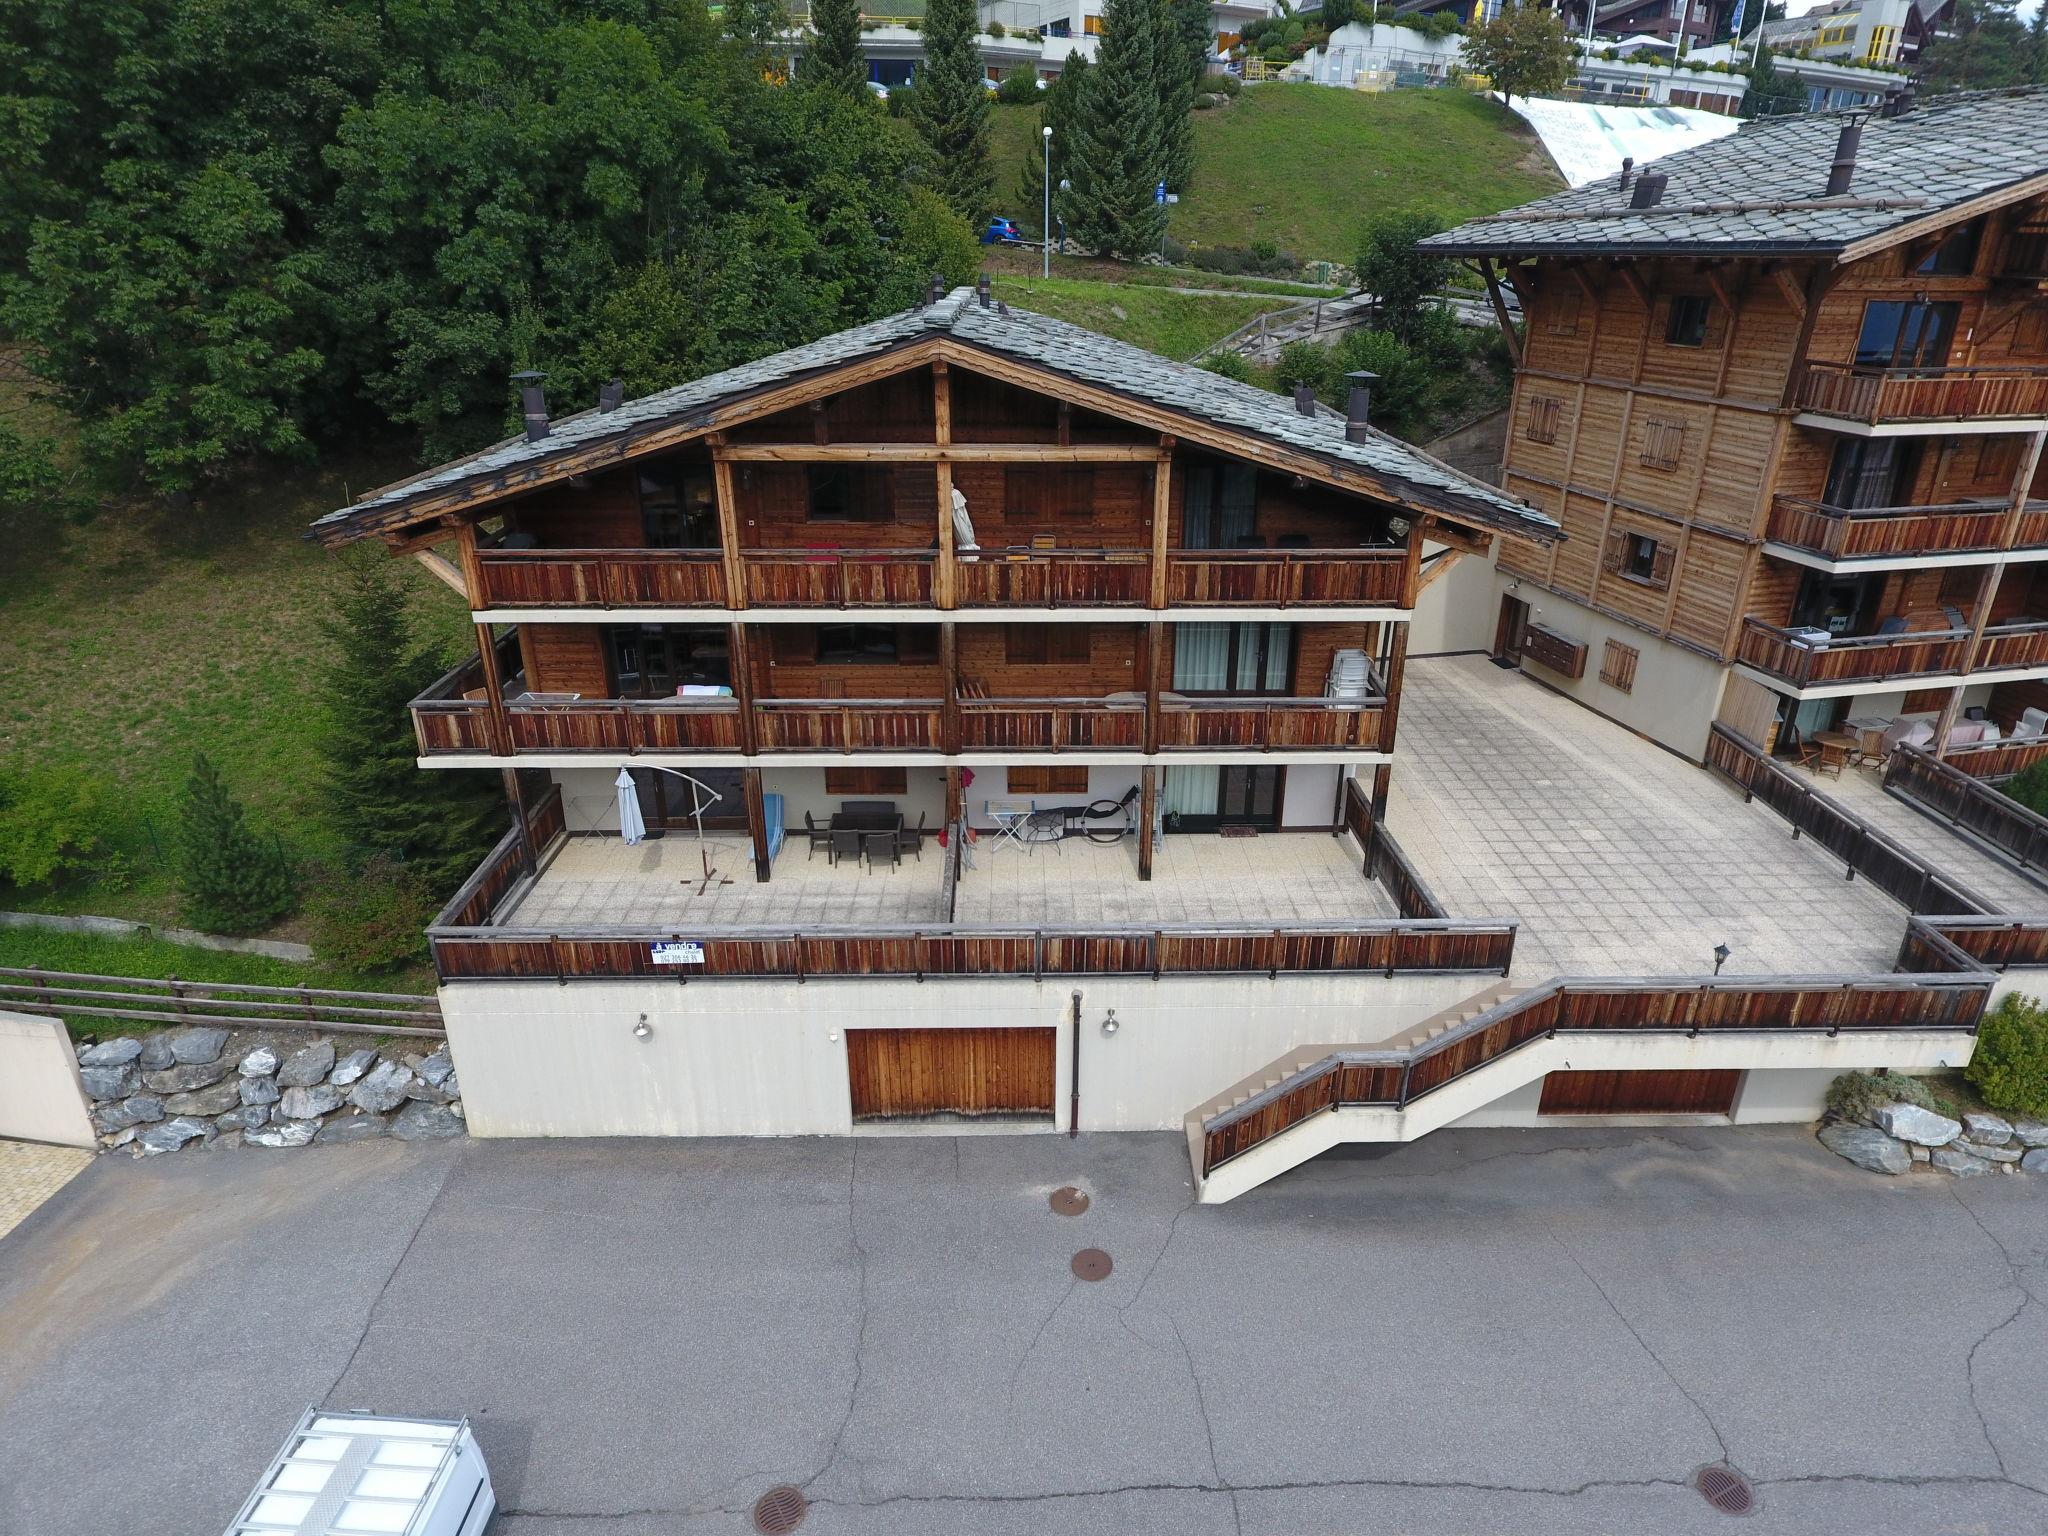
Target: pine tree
[(950, 110), (1117, 161), (1060, 110), (233, 881), (377, 800), (1176, 84), (833, 61)]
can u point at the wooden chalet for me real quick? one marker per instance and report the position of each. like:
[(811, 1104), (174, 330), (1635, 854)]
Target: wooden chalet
[(1786, 396)]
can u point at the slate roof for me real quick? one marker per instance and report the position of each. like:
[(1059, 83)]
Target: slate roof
[(1762, 190), (1036, 339)]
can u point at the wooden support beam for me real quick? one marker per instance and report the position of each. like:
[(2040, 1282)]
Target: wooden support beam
[(1162, 516), (1066, 425), (949, 669), (1721, 296), (494, 691), (946, 576), (1788, 287), (740, 660), (757, 821), (1795, 372), (1586, 289), (954, 807), (1390, 717), (1500, 311), (1437, 531), (728, 498), (1436, 568), (926, 453), (1382, 775), (1148, 808), (1155, 656), (821, 429), (438, 567), (515, 797), (1632, 280)]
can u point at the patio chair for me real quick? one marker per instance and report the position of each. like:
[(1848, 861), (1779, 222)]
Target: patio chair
[(845, 844), (820, 837), (882, 845), (912, 838)]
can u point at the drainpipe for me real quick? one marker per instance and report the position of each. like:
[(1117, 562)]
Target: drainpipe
[(1074, 1074)]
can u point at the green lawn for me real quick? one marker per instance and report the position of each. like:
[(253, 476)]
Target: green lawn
[(1162, 320)]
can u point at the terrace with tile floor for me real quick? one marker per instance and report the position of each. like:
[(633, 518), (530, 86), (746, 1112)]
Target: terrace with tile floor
[(30, 1173), (1859, 790)]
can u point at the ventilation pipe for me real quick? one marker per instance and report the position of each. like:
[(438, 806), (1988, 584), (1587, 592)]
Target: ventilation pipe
[(981, 290), (611, 396), (533, 404), (1358, 406), (1649, 190), (1843, 171), (937, 291), (1304, 400), (1627, 164)]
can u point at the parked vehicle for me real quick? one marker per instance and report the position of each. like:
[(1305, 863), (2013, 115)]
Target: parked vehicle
[(1003, 231)]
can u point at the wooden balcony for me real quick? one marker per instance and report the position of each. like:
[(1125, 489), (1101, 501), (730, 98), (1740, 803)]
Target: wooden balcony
[(838, 578), (1269, 724), (1882, 395), (1805, 663), (1866, 533), (1054, 578), (1052, 725), (1284, 578), (600, 578)]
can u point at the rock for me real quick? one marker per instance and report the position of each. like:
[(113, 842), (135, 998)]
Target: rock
[(458, 1111), (261, 1062), (305, 1067), (282, 1133), (109, 1082), (156, 1054), (186, 1076), (309, 1103), (1990, 1154), (138, 1110), (1960, 1163), (206, 1101), (2030, 1133), (110, 1053), (1920, 1154), (426, 1122), (225, 1141), (1866, 1148), (247, 1118), (451, 1087), (384, 1089), (259, 1090), (2035, 1161), (436, 1067), (191, 1046), (1909, 1122), (351, 1068), (427, 1093), (1987, 1130), (120, 1138), (171, 1135), (353, 1128)]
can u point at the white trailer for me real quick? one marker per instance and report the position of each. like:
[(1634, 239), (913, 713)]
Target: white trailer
[(364, 1474)]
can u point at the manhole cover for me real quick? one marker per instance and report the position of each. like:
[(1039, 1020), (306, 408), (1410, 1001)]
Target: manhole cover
[(1091, 1264), (1068, 1201), (1726, 1489), (779, 1510)]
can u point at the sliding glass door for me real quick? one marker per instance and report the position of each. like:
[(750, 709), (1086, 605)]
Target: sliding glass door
[(1232, 658), (1202, 799)]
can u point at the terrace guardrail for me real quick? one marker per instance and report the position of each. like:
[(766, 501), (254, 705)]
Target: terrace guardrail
[(1863, 533), (1874, 395)]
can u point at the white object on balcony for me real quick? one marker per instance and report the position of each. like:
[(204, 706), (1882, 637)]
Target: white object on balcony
[(963, 525), (351, 1474), (632, 825), (1350, 676)]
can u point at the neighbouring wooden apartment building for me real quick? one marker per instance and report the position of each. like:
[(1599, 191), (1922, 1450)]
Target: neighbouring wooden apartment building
[(919, 649), (1786, 396)]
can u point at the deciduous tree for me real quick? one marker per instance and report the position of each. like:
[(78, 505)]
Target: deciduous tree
[(1523, 50)]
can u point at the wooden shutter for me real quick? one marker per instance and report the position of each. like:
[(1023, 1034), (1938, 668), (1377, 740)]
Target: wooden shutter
[(1564, 314), (1616, 553), (793, 643), (1544, 411), (1024, 644), (1663, 444), (1661, 562), (1618, 666), (1051, 779), (867, 781)]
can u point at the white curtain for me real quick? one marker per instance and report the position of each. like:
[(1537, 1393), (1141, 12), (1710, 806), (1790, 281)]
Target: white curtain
[(1201, 658), (1190, 791)]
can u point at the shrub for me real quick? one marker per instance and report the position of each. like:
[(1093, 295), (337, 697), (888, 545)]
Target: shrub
[(1859, 1095), (1232, 365), (902, 100), (1310, 363), (937, 238), (2010, 1067), (233, 880), (1277, 54), (2030, 787), (995, 29), (376, 922), (1228, 84), (49, 823), (1020, 86)]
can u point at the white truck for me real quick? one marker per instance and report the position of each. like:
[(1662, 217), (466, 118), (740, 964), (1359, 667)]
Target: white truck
[(365, 1474)]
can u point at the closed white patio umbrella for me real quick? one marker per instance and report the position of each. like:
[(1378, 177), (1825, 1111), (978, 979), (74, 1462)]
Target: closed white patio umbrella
[(963, 525), (632, 826)]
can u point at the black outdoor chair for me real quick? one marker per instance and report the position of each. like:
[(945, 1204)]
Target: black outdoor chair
[(881, 845), (820, 837), (912, 838), (845, 844)]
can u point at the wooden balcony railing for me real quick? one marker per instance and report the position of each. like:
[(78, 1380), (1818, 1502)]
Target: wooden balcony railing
[(601, 578), (1284, 578), (1054, 578), (1876, 395), (2023, 643), (1052, 725), (838, 578), (1268, 724), (626, 726), (849, 725), (1805, 663), (1953, 796), (1861, 533), (1996, 760)]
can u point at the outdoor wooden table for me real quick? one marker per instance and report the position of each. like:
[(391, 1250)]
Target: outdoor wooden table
[(1835, 747)]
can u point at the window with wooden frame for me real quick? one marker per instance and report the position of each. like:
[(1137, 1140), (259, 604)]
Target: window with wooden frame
[(1663, 444), (1998, 458), (1685, 325), (846, 493), (1037, 645), (1544, 412), (1564, 314), (844, 645), (1049, 780), (867, 781), (1618, 666), (1640, 558)]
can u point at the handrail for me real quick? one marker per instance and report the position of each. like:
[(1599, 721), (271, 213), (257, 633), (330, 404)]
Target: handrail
[(1800, 642), (1968, 805), (1933, 509)]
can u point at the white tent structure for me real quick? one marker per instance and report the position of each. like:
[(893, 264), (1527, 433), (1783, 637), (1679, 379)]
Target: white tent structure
[(1589, 141)]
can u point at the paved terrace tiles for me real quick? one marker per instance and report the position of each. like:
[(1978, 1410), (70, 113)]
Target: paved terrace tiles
[(1618, 857), (1860, 792), (31, 1173)]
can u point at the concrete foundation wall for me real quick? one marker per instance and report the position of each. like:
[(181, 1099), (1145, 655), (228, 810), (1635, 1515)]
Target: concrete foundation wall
[(1458, 610), (768, 1058), (41, 1096), (1766, 1097)]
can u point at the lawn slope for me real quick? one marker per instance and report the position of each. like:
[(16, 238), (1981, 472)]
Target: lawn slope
[(1163, 320)]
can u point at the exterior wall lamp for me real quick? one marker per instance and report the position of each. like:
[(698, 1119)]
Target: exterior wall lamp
[(1721, 954), (1109, 1024), (643, 1029)]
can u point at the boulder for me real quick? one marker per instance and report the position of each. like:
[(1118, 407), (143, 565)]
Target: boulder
[(282, 1133), (120, 1138), (190, 1046), (156, 1054), (246, 1118), (261, 1062), (109, 1082), (139, 1110), (1920, 1154), (420, 1089), (259, 1090), (1909, 1122), (451, 1087), (223, 1095), (169, 1135), (2035, 1161), (224, 1141), (110, 1053), (1987, 1130), (384, 1089), (1990, 1154), (306, 1066), (309, 1103), (187, 1075), (351, 1068), (1865, 1147), (436, 1067), (1962, 1164), (426, 1122), (353, 1128), (2030, 1133)]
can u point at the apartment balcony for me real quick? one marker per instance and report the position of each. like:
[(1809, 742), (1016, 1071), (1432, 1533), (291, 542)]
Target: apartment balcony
[(1923, 399), (1802, 659), (1813, 531), (1021, 579)]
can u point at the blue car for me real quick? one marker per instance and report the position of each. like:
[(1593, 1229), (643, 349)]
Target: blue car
[(1002, 231)]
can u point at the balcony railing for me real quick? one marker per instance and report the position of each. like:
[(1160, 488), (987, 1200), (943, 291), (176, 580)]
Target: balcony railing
[(1052, 725), (1805, 662), (1054, 578), (1863, 533), (838, 578), (1876, 395), (600, 578), (849, 725), (1284, 578), (1269, 724)]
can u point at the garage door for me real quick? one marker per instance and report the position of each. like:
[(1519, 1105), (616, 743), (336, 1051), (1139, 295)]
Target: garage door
[(903, 1073), (1639, 1093)]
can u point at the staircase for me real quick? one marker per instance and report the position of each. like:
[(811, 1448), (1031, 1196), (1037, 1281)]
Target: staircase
[(1469, 1055)]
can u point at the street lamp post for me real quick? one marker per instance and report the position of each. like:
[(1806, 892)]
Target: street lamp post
[(1045, 228)]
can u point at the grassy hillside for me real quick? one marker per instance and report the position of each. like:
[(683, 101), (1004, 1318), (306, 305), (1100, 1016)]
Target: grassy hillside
[(1162, 320)]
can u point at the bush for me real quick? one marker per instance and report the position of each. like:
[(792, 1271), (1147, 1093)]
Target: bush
[(376, 922), (902, 100), (2010, 1067), (233, 880), (995, 29), (1228, 84), (2030, 787), (49, 824), (1020, 86), (1856, 1096), (937, 238), (1231, 365)]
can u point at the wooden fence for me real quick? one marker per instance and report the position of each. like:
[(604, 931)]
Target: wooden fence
[(1999, 759), (148, 1000), (1922, 394), (1860, 533), (1968, 805), (1384, 859)]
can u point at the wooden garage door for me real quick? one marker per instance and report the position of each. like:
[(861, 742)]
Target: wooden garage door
[(899, 1072), (1638, 1093)]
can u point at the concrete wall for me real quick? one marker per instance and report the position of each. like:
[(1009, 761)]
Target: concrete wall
[(1456, 612), (1767, 1097), (41, 1097), (768, 1058)]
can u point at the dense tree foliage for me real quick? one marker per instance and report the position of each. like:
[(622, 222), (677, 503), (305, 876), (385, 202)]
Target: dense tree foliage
[(1986, 46), (1117, 162), (247, 229), (952, 110), (834, 60), (1398, 275), (234, 880), (1770, 93), (1178, 61), (1059, 109), (1523, 50)]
